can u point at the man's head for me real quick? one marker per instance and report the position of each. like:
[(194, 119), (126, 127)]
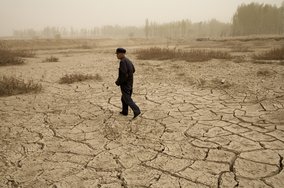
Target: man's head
[(120, 53)]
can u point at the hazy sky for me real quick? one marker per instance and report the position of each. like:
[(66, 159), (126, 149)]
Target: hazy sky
[(24, 14)]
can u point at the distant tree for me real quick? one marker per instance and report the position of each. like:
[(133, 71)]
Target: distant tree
[(282, 16), (147, 28), (131, 35), (57, 36)]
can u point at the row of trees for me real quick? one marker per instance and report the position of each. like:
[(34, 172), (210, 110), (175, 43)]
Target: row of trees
[(249, 19), (187, 29), (179, 29), (56, 32), (258, 19)]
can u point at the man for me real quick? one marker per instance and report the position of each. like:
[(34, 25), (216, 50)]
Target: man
[(125, 81)]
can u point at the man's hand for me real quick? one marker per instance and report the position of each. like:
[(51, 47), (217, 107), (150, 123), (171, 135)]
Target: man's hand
[(117, 82)]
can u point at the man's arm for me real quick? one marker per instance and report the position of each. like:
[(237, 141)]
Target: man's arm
[(133, 68), (123, 75)]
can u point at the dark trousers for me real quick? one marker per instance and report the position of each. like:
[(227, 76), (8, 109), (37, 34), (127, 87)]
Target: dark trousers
[(127, 101)]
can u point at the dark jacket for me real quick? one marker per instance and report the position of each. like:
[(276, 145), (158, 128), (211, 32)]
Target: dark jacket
[(125, 73)]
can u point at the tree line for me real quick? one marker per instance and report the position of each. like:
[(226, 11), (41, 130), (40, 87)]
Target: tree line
[(257, 18), (187, 29), (249, 19), (62, 32)]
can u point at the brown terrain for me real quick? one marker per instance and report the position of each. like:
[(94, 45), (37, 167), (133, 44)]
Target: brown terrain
[(215, 123)]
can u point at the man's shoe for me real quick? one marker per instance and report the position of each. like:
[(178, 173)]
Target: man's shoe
[(135, 115), (124, 114)]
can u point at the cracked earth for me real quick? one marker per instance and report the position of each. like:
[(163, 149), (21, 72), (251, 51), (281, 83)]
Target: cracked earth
[(189, 134)]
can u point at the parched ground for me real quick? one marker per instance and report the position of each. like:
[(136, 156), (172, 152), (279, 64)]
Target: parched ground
[(212, 124)]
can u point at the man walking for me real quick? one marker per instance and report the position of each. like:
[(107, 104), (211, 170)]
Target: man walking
[(125, 81)]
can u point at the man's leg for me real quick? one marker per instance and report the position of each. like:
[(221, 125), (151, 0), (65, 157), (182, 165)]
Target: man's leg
[(126, 95), (124, 107)]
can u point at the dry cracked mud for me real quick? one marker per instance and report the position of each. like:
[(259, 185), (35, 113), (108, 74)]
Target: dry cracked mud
[(187, 136)]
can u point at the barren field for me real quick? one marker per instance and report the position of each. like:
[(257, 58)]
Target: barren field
[(215, 123)]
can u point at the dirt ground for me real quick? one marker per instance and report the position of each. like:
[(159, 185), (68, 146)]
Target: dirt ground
[(218, 123)]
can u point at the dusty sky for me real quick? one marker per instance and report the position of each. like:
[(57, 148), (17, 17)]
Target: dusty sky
[(24, 14)]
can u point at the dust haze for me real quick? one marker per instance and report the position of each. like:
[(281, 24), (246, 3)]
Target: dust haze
[(209, 81), (87, 14)]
